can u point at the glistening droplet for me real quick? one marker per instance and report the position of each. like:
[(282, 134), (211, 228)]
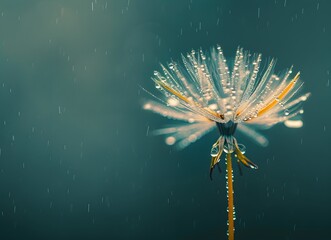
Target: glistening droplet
[(242, 148), (286, 112), (214, 151)]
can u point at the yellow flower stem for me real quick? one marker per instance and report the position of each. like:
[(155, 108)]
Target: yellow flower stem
[(230, 197)]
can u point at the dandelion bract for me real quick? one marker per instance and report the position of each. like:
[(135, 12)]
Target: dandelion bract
[(207, 92)]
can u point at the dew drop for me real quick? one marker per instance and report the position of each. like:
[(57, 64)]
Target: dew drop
[(286, 112), (191, 120), (214, 151), (173, 102), (228, 149), (213, 106), (170, 140), (242, 148)]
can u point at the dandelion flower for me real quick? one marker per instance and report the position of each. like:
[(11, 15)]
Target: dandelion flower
[(205, 92)]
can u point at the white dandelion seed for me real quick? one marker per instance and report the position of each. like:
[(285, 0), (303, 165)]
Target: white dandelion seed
[(205, 92)]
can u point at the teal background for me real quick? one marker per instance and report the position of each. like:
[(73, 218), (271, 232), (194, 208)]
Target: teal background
[(76, 160)]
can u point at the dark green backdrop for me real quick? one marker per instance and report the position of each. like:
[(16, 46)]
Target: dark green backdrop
[(75, 160)]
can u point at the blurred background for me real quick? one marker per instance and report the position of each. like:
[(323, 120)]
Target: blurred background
[(76, 157)]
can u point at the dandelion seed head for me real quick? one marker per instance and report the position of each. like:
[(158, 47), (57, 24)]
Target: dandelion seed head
[(204, 89)]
